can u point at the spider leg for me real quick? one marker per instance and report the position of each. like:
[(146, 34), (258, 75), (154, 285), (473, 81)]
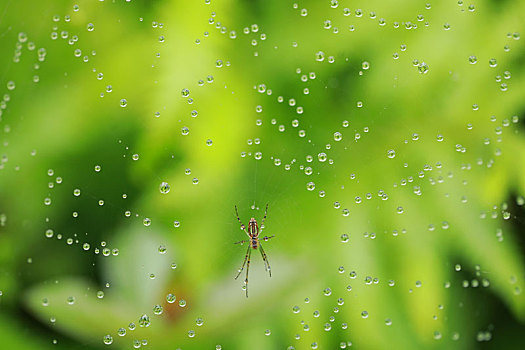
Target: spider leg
[(265, 213), (240, 222), (265, 259), (247, 268), (244, 263), (266, 238), (238, 219), (241, 242)]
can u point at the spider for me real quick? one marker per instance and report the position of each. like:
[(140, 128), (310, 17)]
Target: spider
[(253, 232)]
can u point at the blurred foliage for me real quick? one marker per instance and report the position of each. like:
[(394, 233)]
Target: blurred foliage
[(426, 178)]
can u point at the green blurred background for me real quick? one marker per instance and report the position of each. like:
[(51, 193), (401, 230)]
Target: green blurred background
[(386, 137)]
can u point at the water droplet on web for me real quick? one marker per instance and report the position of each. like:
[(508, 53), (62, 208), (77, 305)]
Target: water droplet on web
[(49, 233), (364, 314), (123, 102), (170, 298), (391, 153), (146, 221), (164, 188), (144, 321), (121, 332), (162, 249), (423, 68), (182, 303), (157, 309), (108, 339)]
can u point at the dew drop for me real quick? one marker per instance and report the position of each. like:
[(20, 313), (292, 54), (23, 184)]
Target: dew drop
[(108, 339), (170, 298), (164, 188), (144, 321), (422, 68), (391, 153), (157, 309)]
